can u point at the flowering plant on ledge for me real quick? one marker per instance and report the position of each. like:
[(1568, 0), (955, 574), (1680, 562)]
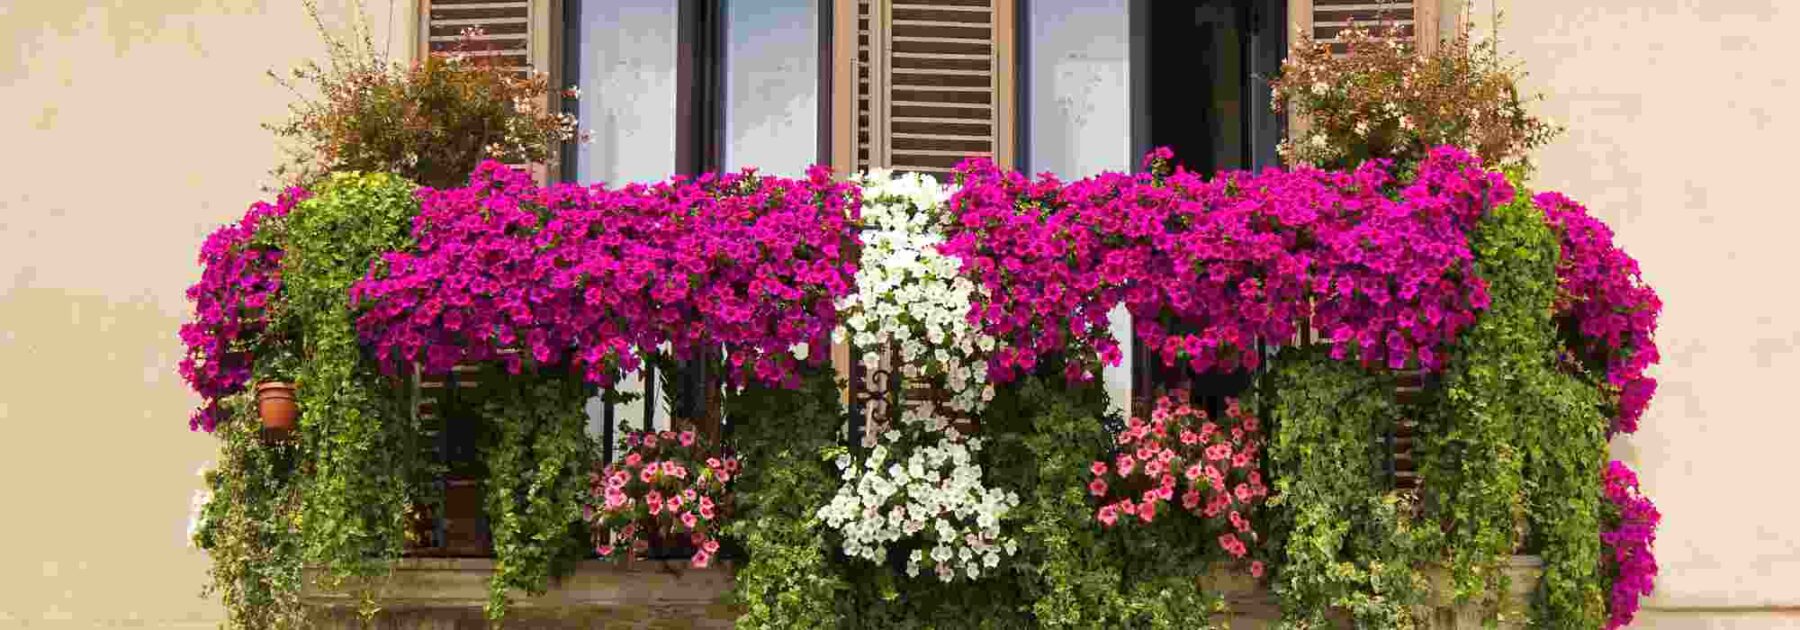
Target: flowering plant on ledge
[(668, 486), (240, 280), (1213, 467), (507, 270), (912, 302), (1630, 557), (921, 489)]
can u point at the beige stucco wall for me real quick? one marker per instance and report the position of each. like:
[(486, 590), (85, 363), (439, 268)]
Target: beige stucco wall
[(128, 130), (1681, 118)]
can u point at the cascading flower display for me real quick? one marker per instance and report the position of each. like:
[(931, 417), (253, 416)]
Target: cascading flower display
[(239, 281), (1603, 298), (1038, 263), (507, 270), (1209, 267), (910, 309), (669, 486), (1631, 559), (1213, 468), (920, 490)]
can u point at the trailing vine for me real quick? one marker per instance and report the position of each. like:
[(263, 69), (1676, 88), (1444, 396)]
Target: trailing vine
[(359, 440), (538, 456), (1347, 543), (248, 524), (1470, 458), (780, 435), (1565, 450)]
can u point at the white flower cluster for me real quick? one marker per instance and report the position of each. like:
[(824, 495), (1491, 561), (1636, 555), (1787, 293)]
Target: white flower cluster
[(929, 491), (197, 506), (912, 300)]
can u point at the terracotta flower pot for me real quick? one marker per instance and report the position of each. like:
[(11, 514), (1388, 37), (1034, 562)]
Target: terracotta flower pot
[(275, 405)]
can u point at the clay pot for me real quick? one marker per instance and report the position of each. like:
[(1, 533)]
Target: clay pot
[(275, 404)]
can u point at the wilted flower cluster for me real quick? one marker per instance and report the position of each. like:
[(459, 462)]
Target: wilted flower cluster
[(1603, 297), (239, 280), (507, 270), (920, 490), (1631, 558), (1213, 467), (1208, 267), (912, 302), (668, 487)]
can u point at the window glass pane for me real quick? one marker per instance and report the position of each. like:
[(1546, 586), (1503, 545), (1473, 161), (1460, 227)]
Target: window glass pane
[(1079, 100), (772, 85), (627, 103), (627, 62), (1080, 113)]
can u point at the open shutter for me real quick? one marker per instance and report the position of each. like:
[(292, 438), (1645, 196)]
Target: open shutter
[(931, 83), (517, 33), (1323, 19)]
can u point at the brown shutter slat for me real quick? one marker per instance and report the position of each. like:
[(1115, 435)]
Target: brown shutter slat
[(1324, 19), (931, 83)]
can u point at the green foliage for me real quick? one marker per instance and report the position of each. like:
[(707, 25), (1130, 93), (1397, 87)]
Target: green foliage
[(1565, 450), (1043, 434), (780, 436), (1346, 541), (1469, 450), (248, 527), (358, 438), (538, 456)]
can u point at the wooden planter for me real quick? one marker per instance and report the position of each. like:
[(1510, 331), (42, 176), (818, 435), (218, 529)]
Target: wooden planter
[(433, 593), (449, 593)]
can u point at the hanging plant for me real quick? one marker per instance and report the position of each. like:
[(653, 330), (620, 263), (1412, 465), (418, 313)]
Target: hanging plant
[(239, 282)]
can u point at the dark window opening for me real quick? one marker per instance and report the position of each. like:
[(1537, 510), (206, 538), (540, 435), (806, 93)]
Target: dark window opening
[(1200, 71)]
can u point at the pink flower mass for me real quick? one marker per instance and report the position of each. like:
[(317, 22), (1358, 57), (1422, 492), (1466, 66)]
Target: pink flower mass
[(238, 280), (1383, 269), (1182, 470), (1602, 293), (1629, 557), (508, 271)]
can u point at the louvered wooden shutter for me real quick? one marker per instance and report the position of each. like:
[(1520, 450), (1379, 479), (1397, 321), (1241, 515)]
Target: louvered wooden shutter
[(931, 83), (1324, 19), (515, 32)]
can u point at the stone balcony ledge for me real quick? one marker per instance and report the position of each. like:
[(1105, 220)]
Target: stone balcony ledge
[(448, 594)]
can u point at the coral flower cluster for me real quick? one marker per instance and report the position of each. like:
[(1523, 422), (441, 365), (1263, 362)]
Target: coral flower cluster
[(1210, 468)]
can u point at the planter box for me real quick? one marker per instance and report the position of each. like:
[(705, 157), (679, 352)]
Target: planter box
[(1254, 606), (448, 593)]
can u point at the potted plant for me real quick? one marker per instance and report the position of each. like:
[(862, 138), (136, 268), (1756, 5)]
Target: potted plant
[(667, 495), (276, 363)]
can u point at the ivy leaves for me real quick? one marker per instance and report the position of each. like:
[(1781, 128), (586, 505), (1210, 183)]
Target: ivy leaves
[(538, 455), (1346, 543), (359, 440)]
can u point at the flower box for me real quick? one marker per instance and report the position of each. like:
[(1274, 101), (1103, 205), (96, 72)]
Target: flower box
[(449, 592)]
